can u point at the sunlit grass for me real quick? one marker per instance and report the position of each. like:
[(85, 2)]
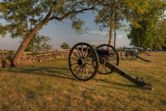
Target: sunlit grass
[(50, 87)]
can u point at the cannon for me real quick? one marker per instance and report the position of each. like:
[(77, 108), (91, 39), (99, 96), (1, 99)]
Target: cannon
[(133, 53), (86, 61)]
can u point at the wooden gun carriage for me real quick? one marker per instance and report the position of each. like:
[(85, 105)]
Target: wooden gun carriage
[(85, 61), (133, 53)]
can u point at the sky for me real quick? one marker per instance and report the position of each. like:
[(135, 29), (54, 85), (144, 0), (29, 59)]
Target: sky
[(62, 32)]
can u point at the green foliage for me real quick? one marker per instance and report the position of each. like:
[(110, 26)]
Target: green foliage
[(145, 28), (77, 25), (65, 45), (25, 18), (112, 13), (21, 16), (109, 14), (39, 43), (160, 40)]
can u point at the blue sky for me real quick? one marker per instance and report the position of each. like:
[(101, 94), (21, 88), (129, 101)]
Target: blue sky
[(62, 32)]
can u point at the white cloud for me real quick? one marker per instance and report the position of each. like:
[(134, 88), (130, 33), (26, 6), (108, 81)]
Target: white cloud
[(98, 32), (120, 36), (91, 33)]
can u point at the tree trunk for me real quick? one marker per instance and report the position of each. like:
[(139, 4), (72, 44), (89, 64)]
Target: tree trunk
[(26, 42), (111, 23), (110, 30), (110, 36), (115, 24), (114, 38)]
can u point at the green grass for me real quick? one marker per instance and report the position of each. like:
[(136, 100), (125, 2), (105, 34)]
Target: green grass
[(51, 87)]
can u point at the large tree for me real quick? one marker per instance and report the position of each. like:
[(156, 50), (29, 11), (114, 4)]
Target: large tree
[(25, 18), (112, 14), (145, 24), (109, 16)]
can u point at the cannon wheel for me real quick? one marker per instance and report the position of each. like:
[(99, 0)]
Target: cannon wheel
[(112, 58), (83, 61)]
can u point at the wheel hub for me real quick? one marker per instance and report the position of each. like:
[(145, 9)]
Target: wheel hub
[(81, 61)]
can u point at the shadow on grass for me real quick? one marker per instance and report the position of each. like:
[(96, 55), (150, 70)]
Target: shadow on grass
[(46, 71), (115, 83), (163, 102), (62, 73)]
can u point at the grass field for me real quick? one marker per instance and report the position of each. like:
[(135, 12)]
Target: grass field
[(51, 87)]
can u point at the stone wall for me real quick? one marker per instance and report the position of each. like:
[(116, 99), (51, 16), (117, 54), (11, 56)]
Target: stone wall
[(28, 58)]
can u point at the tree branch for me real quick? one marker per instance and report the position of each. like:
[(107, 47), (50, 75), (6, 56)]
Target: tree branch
[(53, 7), (69, 13)]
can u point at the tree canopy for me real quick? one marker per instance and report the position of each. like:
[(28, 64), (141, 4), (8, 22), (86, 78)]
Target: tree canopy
[(145, 30), (110, 14), (21, 16), (25, 18)]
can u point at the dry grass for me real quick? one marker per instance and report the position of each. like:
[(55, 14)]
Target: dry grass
[(51, 87)]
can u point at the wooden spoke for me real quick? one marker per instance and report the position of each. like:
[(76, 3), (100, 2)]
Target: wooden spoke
[(82, 55), (75, 54), (78, 70), (76, 67), (83, 75), (86, 52), (89, 69), (89, 59), (74, 64), (78, 51)]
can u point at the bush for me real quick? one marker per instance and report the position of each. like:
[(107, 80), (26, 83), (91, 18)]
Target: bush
[(65, 45)]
